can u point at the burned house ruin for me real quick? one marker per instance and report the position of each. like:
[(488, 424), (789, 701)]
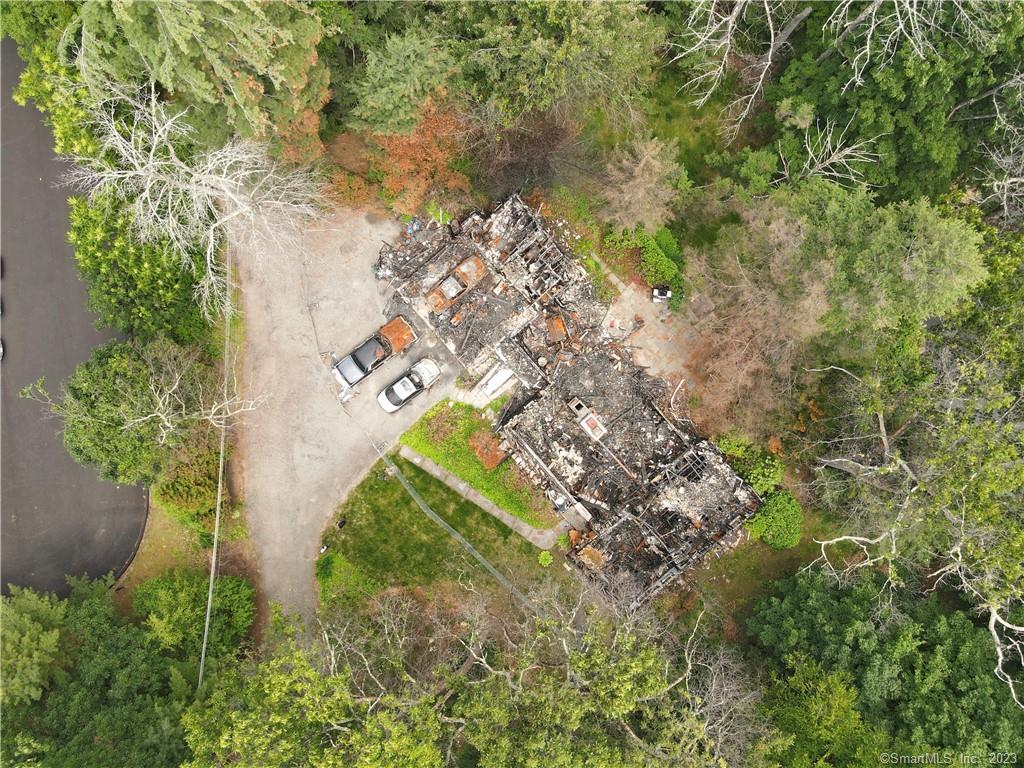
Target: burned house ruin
[(646, 498)]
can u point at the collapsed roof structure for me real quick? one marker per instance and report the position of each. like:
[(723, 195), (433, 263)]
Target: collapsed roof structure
[(646, 497)]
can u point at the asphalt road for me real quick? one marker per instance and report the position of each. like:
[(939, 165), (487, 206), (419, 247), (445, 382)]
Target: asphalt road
[(57, 517)]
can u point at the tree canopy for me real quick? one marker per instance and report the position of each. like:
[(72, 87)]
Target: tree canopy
[(921, 672), (518, 58), (241, 66), (920, 109), (142, 289)]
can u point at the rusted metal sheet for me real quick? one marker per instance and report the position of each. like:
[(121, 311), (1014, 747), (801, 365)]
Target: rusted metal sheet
[(557, 332), (398, 334), (466, 275)]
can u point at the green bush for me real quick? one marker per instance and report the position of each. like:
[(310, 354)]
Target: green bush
[(762, 469), (437, 213), (172, 608), (652, 264), (655, 267), (143, 290), (187, 488), (778, 522), (669, 246), (545, 558), (563, 540)]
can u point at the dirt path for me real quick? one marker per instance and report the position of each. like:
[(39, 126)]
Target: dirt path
[(300, 454)]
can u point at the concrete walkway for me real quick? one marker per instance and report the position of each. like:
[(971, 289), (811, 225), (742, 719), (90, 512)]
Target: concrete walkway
[(544, 538)]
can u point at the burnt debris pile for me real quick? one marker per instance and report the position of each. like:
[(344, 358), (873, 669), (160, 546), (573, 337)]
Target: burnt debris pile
[(646, 497)]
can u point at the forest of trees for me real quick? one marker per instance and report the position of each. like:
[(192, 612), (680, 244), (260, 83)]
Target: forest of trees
[(843, 181)]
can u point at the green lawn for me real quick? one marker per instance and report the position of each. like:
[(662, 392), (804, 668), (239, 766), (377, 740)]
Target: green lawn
[(736, 579), (388, 541), (446, 436)]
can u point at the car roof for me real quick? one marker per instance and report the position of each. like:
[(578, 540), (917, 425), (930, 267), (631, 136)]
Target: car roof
[(426, 368), (398, 333), (369, 353)]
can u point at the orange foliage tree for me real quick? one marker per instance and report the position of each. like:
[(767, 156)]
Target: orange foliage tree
[(415, 164)]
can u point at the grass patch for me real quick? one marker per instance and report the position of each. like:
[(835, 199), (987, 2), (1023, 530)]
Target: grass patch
[(388, 541), (699, 229), (604, 288), (166, 544), (446, 435), (737, 578), (671, 115)]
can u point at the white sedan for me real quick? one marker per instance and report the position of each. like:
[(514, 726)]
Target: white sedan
[(419, 378)]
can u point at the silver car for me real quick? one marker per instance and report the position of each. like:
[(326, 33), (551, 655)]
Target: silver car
[(419, 378)]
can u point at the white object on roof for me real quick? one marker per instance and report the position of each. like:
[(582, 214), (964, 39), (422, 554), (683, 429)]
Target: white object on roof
[(593, 426), (495, 381)]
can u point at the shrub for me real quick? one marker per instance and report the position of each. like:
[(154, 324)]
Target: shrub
[(438, 214), (141, 289), (654, 267), (411, 166), (545, 558), (669, 246), (778, 522), (187, 488), (563, 540), (172, 608), (762, 469)]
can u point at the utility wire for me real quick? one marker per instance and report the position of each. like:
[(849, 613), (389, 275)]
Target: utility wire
[(422, 504), (220, 469)]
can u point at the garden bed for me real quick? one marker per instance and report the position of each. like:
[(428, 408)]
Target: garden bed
[(452, 435)]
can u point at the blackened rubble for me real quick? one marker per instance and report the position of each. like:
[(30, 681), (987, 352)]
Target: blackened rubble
[(647, 498)]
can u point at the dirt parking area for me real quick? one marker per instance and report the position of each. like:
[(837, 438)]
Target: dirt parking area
[(301, 452)]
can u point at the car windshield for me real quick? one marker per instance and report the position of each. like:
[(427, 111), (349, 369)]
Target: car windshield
[(369, 353)]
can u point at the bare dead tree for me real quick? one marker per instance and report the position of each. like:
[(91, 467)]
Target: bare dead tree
[(718, 35), (195, 199), (971, 567), (883, 27), (642, 184), (183, 390), (724, 694), (397, 646), (830, 155), (1003, 174)]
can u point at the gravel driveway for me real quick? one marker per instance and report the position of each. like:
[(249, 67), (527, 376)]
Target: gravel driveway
[(300, 454)]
